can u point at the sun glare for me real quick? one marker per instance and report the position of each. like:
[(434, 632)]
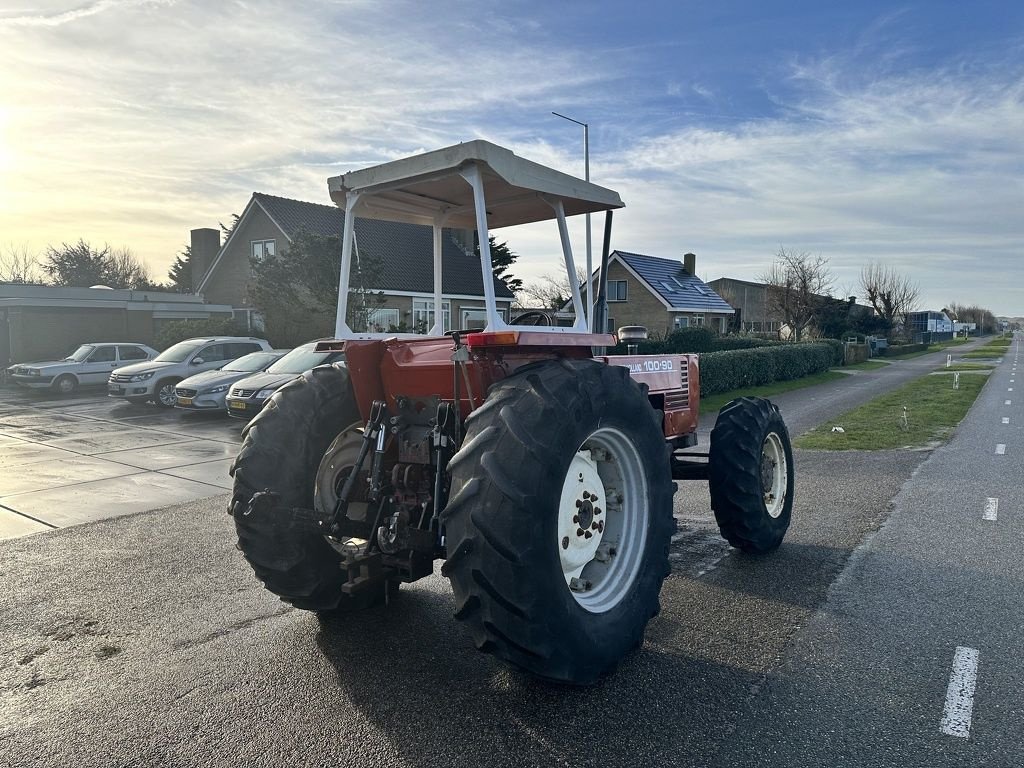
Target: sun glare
[(6, 151)]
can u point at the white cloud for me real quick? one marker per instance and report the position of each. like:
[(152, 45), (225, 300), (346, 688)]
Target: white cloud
[(922, 171), (28, 17)]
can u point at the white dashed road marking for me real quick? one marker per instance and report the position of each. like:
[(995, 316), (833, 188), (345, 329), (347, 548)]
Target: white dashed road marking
[(1001, 448), (991, 509), (1007, 402), (1006, 419), (956, 716)]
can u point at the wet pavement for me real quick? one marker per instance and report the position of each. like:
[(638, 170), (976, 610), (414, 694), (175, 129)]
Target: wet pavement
[(70, 460)]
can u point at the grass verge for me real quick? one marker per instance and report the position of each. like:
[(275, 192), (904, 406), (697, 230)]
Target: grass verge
[(983, 353), (715, 402), (867, 365), (934, 409), (966, 367)]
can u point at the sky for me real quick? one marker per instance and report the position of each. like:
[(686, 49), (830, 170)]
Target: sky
[(860, 131)]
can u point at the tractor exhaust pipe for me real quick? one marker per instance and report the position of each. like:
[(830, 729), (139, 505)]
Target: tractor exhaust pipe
[(601, 308)]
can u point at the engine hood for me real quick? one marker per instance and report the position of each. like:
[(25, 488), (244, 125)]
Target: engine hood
[(210, 379), (266, 380), (144, 367)]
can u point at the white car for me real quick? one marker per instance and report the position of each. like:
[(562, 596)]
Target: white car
[(156, 379), (91, 363)]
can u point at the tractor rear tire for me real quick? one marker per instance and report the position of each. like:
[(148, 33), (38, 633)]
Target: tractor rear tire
[(751, 475), (281, 453), (517, 549)]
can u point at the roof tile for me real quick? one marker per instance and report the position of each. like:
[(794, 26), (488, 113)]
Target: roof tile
[(680, 289), (405, 252)]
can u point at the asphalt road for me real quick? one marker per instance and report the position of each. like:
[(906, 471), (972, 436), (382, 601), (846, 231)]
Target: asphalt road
[(145, 640)]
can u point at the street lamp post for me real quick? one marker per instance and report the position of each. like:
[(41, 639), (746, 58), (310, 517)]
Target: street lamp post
[(590, 265)]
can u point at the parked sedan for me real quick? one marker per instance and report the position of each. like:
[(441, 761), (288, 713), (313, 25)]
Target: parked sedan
[(90, 364), (206, 391), (246, 397)]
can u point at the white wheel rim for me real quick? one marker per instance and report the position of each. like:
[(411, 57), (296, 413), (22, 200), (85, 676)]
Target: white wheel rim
[(602, 520), (774, 474), (167, 396)]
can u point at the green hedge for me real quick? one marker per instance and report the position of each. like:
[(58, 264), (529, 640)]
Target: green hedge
[(742, 368), (179, 330), (903, 349), (687, 341)]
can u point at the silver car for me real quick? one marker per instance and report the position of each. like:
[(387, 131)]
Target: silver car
[(90, 364), (205, 391)]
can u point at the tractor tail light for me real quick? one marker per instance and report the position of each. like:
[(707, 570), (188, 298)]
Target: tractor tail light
[(493, 339)]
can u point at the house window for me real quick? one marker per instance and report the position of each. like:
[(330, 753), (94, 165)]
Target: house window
[(423, 315), (697, 320), (382, 320), (682, 321), (616, 290), (261, 249)]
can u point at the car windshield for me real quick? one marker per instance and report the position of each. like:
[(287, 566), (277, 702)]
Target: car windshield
[(256, 361), (299, 360), (179, 352), (81, 353)]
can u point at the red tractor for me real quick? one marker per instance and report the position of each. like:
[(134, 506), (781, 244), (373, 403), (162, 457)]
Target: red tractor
[(537, 466)]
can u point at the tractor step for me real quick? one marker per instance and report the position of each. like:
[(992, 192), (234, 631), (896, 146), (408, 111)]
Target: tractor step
[(690, 466)]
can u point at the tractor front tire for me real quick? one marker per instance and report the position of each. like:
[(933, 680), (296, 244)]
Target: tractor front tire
[(559, 519), (751, 475), (281, 452)]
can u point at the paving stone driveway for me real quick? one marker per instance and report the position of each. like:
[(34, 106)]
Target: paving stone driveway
[(70, 460)]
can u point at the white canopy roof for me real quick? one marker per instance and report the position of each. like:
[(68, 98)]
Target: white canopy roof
[(416, 189)]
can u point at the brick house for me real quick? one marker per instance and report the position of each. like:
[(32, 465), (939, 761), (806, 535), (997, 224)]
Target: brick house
[(402, 253), (659, 294)]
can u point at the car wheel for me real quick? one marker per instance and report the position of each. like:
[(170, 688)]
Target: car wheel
[(65, 384), (164, 395)]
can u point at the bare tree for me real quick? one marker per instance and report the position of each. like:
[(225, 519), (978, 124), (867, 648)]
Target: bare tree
[(891, 294), (550, 291), (984, 319), (796, 284), (125, 269), (19, 265)]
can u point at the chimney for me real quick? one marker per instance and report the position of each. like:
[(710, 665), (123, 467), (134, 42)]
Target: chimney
[(204, 246), (690, 263)]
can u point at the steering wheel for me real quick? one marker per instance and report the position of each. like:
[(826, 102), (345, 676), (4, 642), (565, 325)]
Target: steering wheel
[(533, 317)]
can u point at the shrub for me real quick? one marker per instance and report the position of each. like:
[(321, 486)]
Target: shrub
[(744, 368), (895, 350), (688, 341), (837, 347), (179, 330)]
